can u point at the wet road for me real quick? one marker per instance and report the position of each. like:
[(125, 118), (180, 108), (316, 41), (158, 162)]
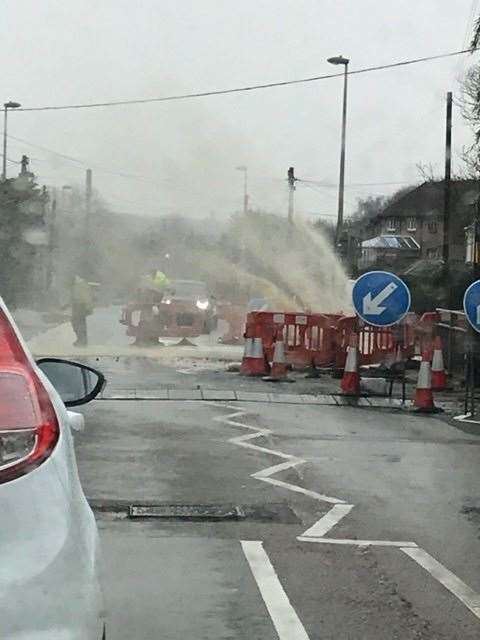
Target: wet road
[(352, 523), (409, 479)]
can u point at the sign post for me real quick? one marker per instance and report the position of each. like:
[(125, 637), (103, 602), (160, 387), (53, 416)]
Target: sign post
[(471, 306)]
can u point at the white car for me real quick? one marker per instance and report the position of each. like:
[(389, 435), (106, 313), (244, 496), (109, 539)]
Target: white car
[(49, 548)]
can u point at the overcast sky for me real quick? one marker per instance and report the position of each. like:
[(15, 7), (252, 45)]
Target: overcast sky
[(184, 154)]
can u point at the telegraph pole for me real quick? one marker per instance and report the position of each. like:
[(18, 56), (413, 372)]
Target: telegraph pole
[(52, 240), (291, 191), (448, 175), (446, 197)]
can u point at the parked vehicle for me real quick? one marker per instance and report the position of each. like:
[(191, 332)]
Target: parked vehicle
[(185, 310), (49, 578)]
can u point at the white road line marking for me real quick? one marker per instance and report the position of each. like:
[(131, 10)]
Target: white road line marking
[(285, 620), (463, 592), (241, 443), (450, 581), (264, 474), (359, 543), (328, 521), (297, 489)]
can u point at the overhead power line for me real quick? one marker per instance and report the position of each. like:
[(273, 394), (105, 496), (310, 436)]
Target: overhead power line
[(319, 183), (255, 87)]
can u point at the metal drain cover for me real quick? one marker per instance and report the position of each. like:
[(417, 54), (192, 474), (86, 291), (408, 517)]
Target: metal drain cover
[(187, 512)]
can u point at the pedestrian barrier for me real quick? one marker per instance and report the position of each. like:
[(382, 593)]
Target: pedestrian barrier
[(323, 340), (309, 339), (425, 331), (376, 345), (452, 328)]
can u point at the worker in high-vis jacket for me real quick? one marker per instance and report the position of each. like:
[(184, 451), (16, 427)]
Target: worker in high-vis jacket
[(82, 306), (153, 287)]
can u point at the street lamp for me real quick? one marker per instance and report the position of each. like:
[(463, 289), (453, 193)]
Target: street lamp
[(7, 106), (245, 187), (341, 185)]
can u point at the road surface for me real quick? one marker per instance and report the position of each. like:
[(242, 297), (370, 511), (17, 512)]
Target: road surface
[(350, 522)]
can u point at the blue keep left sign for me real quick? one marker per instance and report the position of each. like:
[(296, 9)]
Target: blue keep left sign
[(471, 305), (381, 298)]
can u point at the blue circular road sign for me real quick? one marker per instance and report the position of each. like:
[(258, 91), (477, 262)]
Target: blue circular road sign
[(380, 298), (471, 305)]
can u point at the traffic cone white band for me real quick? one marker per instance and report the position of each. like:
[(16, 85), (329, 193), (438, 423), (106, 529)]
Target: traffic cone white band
[(423, 394), (254, 362), (350, 384), (279, 362)]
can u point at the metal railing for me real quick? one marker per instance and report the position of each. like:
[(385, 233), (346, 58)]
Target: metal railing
[(452, 328)]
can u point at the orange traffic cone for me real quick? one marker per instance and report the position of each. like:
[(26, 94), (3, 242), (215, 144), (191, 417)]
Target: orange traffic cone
[(247, 354), (351, 378), (423, 395), (439, 375), (254, 362), (279, 369)]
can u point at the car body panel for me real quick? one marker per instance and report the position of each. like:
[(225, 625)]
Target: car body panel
[(50, 567)]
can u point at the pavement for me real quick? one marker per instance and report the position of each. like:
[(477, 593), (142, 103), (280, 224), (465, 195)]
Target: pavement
[(331, 521)]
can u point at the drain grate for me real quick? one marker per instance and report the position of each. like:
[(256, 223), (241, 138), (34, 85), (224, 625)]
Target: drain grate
[(274, 512), (187, 512)]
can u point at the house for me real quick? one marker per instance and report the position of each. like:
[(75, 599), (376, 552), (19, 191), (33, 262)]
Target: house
[(393, 250), (410, 227)]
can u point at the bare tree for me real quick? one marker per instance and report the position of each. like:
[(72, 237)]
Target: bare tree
[(426, 172), (475, 41), (470, 108)]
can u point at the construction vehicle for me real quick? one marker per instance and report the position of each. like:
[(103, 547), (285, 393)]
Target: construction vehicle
[(185, 310)]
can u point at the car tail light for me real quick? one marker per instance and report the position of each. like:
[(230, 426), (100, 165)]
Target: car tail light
[(28, 424)]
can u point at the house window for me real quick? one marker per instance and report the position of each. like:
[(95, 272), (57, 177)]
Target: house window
[(432, 226), (393, 224), (411, 223)]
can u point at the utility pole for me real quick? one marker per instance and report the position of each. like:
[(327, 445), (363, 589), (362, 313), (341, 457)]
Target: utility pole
[(6, 107), (245, 191), (88, 212), (448, 175), (291, 190), (52, 241), (340, 60), (244, 170), (446, 197)]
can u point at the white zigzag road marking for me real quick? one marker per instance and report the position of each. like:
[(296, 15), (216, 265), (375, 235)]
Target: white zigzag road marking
[(316, 533), (264, 474)]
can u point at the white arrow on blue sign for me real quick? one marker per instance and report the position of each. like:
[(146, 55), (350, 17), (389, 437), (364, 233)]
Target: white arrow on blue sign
[(471, 305), (381, 298)]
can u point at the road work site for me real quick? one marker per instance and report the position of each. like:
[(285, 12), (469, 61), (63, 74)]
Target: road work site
[(240, 320)]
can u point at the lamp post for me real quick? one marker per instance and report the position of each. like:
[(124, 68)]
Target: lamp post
[(245, 187), (339, 60), (6, 106)]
